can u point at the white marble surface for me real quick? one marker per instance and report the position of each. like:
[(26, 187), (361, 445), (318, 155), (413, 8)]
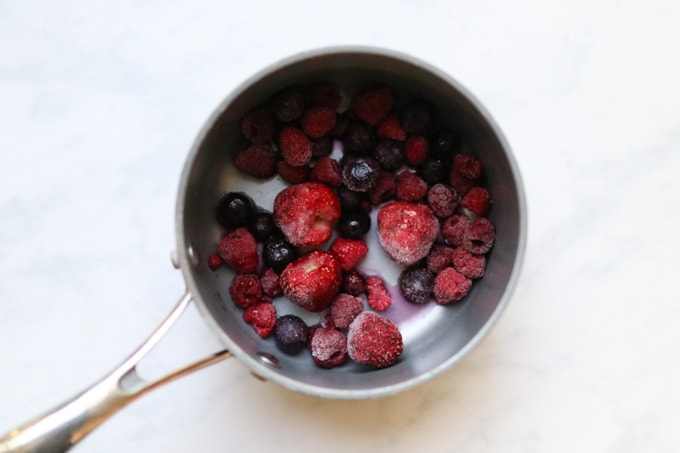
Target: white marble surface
[(99, 104)]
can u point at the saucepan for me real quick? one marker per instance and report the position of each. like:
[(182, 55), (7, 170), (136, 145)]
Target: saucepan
[(435, 337)]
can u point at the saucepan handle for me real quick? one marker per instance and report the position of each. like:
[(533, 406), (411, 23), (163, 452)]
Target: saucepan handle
[(60, 429)]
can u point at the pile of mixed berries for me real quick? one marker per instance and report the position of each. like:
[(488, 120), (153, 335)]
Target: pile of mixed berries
[(397, 157)]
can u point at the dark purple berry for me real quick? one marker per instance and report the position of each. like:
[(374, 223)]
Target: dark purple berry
[(290, 334), (358, 138), (443, 145), (349, 199), (288, 104), (353, 283), (417, 117), (354, 224), (434, 172), (360, 173), (262, 226), (389, 154), (416, 284), (341, 123), (278, 253), (322, 147), (234, 210)]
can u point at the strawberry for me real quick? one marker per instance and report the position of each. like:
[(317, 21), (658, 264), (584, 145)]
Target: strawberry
[(407, 231), (306, 213), (238, 249), (312, 281), (374, 341), (378, 297), (262, 315), (349, 252)]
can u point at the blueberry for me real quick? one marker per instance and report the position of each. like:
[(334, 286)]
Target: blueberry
[(234, 210), (389, 154), (290, 334), (349, 199), (434, 171), (262, 226), (417, 117), (278, 253), (358, 138), (354, 224), (360, 173), (416, 284)]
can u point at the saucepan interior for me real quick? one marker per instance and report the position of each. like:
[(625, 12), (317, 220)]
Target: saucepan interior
[(435, 337)]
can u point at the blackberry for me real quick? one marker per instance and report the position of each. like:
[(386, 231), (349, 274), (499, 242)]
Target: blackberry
[(389, 154), (360, 173), (234, 210), (278, 253), (354, 224), (290, 333), (416, 284)]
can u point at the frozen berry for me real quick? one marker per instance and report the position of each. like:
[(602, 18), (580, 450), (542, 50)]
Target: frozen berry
[(444, 144), (288, 104), (292, 174), (357, 138), (278, 253), (391, 128), (269, 280), (245, 290), (342, 120), (417, 117), (467, 165), (407, 231), (258, 161), (349, 252), (326, 94), (450, 286), (234, 210), (353, 283), (374, 340), (322, 147), (295, 146), (354, 224), (385, 189), (378, 297), (238, 249), (439, 258), (214, 261), (373, 105), (389, 154), (262, 316), (262, 226), (318, 121), (460, 183), (416, 284), (410, 187), (434, 171), (479, 236), (469, 264), (443, 200), (360, 173), (477, 201), (306, 213), (349, 199), (327, 171), (416, 150), (344, 309), (328, 347), (453, 229), (290, 333), (312, 281), (258, 126)]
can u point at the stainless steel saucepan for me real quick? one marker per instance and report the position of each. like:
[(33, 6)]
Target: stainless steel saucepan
[(435, 337)]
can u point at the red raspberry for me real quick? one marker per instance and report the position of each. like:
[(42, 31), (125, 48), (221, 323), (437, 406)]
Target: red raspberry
[(467, 165), (214, 261), (416, 149), (318, 121), (443, 200), (344, 309), (410, 187), (477, 201), (262, 315), (450, 286), (306, 213), (479, 236), (327, 171), (378, 297), (291, 174), (245, 290), (322, 147), (238, 249), (295, 146), (312, 281), (460, 183), (373, 105), (469, 264), (407, 231), (258, 161), (326, 94), (353, 283), (373, 340), (329, 347), (384, 190), (349, 252), (453, 229), (391, 128), (259, 126), (269, 280), (439, 258)]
